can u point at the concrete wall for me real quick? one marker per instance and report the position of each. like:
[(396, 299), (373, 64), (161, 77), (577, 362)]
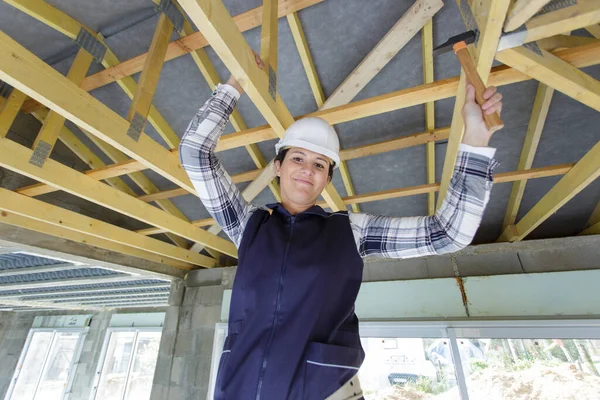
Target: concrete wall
[(13, 333), (14, 328), (185, 355)]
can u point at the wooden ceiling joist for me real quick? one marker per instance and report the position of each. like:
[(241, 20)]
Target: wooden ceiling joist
[(14, 157), (11, 202), (554, 72), (541, 106), (428, 77), (594, 30), (51, 127), (269, 39), (521, 11), (23, 70), (566, 16), (220, 30), (489, 16), (10, 110), (578, 178)]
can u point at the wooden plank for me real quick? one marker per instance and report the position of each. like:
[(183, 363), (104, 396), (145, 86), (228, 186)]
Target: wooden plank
[(594, 30), (490, 15), (11, 202), (306, 58), (69, 139), (51, 127), (14, 157), (592, 230), (554, 72), (207, 222), (397, 37), (269, 35), (566, 17), (428, 77), (521, 11), (564, 42), (142, 100), (177, 48), (10, 110), (23, 70), (582, 174), (595, 217), (219, 28), (539, 113)]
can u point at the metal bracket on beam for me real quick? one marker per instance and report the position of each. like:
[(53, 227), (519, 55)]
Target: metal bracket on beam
[(40, 154), (172, 12), (91, 44), (136, 126), (272, 83)]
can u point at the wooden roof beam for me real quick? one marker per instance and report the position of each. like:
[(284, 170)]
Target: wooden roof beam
[(220, 30), (14, 157), (14, 203), (539, 113), (521, 11), (489, 16), (10, 110), (578, 178), (554, 72), (428, 77)]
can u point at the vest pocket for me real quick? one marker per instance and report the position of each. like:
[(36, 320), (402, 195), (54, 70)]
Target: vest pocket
[(329, 367), (223, 373)]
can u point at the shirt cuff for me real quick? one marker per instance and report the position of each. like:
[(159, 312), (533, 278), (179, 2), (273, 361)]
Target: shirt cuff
[(488, 152), (229, 89)]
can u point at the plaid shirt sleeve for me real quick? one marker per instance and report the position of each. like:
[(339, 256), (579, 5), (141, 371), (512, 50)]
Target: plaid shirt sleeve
[(451, 228), (215, 188)]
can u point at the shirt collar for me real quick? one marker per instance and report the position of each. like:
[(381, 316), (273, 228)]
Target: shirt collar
[(312, 210)]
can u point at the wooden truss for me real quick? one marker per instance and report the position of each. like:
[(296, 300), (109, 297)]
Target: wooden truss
[(552, 57)]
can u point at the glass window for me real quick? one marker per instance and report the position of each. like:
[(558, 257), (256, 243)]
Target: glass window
[(128, 366), (407, 368), (532, 368), (46, 366)]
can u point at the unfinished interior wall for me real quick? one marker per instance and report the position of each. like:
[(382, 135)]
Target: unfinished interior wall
[(185, 354), (13, 334)]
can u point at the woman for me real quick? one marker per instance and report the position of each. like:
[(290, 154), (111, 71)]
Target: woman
[(293, 333)]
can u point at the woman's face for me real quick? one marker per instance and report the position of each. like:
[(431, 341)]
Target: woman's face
[(303, 176)]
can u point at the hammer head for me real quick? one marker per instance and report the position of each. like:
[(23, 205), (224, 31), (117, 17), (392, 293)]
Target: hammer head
[(467, 37)]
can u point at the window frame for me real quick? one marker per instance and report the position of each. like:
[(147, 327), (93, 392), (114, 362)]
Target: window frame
[(451, 330), (103, 353), (72, 365)]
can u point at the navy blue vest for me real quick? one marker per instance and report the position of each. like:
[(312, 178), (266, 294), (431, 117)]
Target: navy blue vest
[(293, 333)]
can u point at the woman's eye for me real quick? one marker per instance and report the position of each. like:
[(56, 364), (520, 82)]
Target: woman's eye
[(320, 166), (297, 159)]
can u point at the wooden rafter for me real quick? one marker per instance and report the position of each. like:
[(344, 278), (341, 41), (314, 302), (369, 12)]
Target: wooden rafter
[(594, 30), (489, 15), (313, 78), (428, 77), (521, 11), (14, 157), (564, 42), (269, 36), (23, 70), (64, 23), (567, 17), (554, 72), (541, 106), (51, 127), (578, 178), (142, 99), (593, 223), (220, 30), (580, 57), (10, 110), (11, 202)]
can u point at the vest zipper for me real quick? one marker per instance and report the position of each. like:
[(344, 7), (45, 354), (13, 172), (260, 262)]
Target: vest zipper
[(277, 309)]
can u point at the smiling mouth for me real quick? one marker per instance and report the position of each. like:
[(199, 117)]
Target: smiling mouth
[(303, 181)]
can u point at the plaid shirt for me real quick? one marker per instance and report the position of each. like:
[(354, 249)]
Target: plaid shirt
[(451, 228)]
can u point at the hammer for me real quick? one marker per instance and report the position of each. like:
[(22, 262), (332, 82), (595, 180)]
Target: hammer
[(459, 45)]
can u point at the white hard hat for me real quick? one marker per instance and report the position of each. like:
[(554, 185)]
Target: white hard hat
[(314, 134)]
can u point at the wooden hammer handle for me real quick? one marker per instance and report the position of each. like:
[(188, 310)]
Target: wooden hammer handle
[(492, 121)]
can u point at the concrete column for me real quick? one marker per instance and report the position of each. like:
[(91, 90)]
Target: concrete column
[(185, 354), (14, 329)]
